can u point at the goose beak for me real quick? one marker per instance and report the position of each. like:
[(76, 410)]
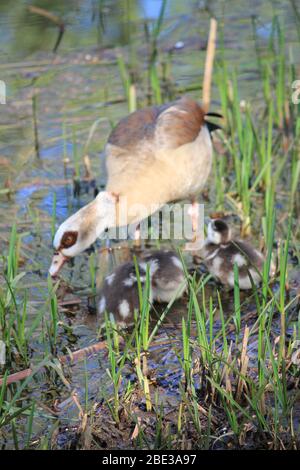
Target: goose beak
[(212, 126), (58, 261)]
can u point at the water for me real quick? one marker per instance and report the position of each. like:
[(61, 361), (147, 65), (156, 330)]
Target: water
[(78, 86)]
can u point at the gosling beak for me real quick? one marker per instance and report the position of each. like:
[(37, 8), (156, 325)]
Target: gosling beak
[(58, 261)]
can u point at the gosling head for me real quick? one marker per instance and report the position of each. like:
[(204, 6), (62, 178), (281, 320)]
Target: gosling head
[(218, 232), (80, 230)]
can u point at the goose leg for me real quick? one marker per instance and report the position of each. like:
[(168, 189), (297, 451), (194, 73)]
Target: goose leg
[(137, 237), (197, 241), (194, 214)]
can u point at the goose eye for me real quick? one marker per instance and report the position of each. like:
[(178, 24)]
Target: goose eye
[(69, 239)]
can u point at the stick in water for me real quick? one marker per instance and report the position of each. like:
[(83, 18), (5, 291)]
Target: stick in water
[(72, 357), (209, 62)]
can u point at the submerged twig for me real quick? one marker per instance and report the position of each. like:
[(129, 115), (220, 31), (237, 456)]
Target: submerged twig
[(35, 127), (71, 357), (54, 19), (82, 353), (8, 188)]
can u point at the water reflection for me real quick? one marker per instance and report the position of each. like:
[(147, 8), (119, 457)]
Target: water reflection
[(90, 22), (112, 23)]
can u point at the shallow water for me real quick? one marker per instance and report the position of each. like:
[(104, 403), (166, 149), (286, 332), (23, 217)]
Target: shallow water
[(78, 86)]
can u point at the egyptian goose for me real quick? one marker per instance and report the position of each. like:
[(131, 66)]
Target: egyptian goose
[(119, 294), (154, 156), (220, 252)]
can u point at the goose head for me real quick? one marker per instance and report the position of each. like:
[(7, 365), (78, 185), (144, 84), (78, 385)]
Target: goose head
[(80, 230), (218, 232)]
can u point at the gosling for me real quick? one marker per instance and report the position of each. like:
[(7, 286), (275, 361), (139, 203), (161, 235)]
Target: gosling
[(119, 295), (221, 252)]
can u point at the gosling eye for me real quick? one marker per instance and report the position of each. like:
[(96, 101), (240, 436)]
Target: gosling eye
[(68, 239)]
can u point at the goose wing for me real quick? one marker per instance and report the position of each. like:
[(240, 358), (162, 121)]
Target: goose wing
[(179, 124), (133, 145), (170, 125)]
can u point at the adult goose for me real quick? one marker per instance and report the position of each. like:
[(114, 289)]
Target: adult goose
[(154, 156)]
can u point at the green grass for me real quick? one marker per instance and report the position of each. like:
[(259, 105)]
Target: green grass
[(222, 383)]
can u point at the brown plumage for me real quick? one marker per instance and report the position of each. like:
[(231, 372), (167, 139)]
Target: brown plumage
[(170, 125)]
